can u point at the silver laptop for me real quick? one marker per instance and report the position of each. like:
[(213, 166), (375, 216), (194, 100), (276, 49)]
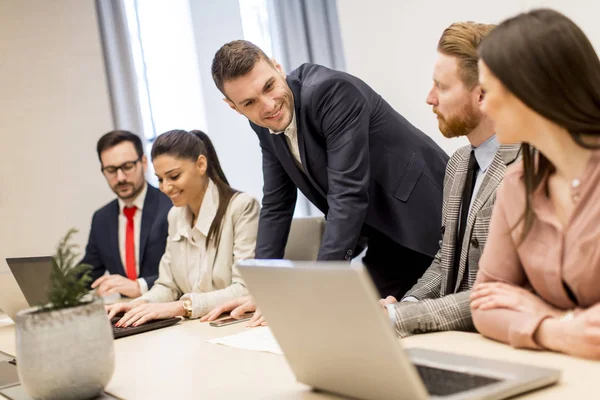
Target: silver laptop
[(22, 287), (25, 285), (337, 338)]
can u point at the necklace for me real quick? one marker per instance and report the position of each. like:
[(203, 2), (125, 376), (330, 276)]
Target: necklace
[(575, 192)]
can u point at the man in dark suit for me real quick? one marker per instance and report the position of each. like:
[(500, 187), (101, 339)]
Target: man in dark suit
[(327, 133), (129, 234)]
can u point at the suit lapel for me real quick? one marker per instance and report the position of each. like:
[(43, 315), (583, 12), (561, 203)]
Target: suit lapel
[(286, 157), (148, 213), (113, 236), (457, 179), (505, 155), (295, 85), (510, 152)]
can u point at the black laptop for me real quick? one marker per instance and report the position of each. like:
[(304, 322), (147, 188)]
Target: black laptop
[(119, 333)]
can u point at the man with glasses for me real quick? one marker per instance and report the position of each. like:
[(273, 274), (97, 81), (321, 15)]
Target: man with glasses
[(129, 234)]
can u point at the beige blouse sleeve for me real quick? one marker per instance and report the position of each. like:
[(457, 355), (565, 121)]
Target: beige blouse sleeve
[(500, 263), (245, 212)]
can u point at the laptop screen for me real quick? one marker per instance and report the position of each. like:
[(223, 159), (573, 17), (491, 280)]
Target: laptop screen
[(33, 276)]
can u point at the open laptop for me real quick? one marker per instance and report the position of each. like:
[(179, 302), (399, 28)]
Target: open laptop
[(337, 338), (26, 285), (8, 371)]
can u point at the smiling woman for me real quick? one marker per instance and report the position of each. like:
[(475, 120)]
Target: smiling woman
[(211, 227)]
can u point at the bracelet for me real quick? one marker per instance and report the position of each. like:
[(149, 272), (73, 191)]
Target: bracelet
[(569, 315)]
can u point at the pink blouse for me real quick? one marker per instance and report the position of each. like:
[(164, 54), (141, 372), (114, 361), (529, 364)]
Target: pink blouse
[(552, 260)]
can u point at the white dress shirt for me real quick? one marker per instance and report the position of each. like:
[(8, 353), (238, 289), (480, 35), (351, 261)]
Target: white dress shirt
[(137, 228), (291, 137)]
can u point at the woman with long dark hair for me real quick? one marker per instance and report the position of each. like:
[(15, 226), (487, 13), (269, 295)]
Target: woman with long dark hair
[(539, 277), (211, 227)]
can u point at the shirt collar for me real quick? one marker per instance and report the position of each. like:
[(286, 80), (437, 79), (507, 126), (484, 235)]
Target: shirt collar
[(138, 201), (291, 126), (485, 152), (208, 210)]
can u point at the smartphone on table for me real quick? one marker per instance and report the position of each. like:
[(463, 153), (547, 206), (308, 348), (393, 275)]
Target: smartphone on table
[(231, 320)]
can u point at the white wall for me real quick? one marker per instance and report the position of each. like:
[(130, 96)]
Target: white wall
[(235, 142), (54, 105), (54, 101), (391, 44)]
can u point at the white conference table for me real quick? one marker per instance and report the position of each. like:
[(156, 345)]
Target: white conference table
[(178, 363)]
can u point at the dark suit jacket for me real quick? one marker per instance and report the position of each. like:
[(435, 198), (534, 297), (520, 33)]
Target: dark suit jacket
[(363, 164), (102, 250)]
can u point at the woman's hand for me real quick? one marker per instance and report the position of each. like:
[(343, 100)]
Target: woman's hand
[(117, 308), (137, 313), (579, 337), (388, 300), (236, 306), (487, 296), (257, 319)]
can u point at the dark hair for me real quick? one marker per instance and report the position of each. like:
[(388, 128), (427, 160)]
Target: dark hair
[(191, 145), (113, 138), (547, 62), (235, 59)]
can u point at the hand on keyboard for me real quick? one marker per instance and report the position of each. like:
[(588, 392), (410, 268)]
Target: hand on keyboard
[(120, 331), (137, 312)]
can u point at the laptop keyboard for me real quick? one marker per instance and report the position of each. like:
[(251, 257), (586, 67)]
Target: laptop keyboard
[(119, 332), (442, 382)]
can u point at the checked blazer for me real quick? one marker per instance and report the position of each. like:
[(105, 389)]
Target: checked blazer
[(441, 307)]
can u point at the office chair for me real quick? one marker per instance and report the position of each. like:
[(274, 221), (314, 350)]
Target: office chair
[(305, 237)]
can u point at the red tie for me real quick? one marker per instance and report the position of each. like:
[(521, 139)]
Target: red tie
[(129, 243)]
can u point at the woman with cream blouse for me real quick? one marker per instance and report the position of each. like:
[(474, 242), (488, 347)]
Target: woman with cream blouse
[(211, 228)]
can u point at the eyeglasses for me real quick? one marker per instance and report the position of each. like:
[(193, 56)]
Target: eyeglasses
[(126, 167)]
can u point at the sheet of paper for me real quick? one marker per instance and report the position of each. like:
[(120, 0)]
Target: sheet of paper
[(257, 339)]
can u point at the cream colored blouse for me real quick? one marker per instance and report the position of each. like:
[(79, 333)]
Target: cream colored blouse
[(207, 276)]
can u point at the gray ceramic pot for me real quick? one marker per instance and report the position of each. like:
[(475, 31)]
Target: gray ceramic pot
[(65, 354)]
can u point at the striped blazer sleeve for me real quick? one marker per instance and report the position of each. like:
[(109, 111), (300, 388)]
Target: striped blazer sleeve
[(450, 312), (428, 286)]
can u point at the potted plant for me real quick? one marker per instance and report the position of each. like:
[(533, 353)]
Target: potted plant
[(65, 348)]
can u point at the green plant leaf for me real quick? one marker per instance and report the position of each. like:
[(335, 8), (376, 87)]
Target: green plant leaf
[(69, 282)]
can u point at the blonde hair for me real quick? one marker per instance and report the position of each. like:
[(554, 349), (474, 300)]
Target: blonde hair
[(461, 40)]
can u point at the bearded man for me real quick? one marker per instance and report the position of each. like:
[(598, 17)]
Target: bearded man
[(440, 299)]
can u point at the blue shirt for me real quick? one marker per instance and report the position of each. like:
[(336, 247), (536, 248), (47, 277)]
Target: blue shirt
[(484, 154)]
